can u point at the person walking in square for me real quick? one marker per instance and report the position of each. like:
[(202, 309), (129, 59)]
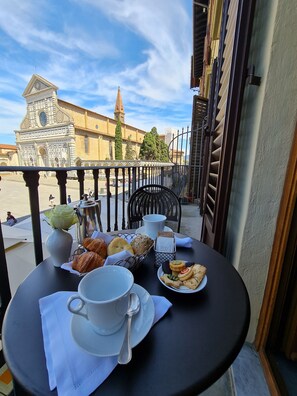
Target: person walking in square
[(51, 200), (11, 220)]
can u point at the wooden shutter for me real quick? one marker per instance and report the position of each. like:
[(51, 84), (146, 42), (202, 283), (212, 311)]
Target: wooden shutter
[(224, 120), (206, 136), (196, 149)]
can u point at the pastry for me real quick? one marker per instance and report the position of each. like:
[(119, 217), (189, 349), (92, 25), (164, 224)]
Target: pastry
[(191, 283), (183, 275), (198, 272), (177, 265), (141, 244), (97, 245), (186, 273), (86, 262), (117, 245), (171, 281)]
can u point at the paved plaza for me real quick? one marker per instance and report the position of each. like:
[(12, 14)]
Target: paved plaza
[(14, 197)]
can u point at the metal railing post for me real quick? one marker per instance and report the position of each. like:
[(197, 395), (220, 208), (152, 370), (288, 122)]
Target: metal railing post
[(95, 177), (107, 174), (162, 177), (62, 180), (32, 178), (133, 180), (116, 173), (5, 293), (81, 178)]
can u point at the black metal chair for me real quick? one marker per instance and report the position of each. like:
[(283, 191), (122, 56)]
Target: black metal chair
[(154, 198)]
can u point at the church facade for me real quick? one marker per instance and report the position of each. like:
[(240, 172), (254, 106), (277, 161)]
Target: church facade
[(60, 134)]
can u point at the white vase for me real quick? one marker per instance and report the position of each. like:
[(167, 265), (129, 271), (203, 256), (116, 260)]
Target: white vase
[(59, 244)]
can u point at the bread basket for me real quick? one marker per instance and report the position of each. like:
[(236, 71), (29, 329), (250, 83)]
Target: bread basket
[(134, 262)]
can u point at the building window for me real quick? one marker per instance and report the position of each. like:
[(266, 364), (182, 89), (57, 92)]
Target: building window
[(43, 118), (110, 151), (86, 144)]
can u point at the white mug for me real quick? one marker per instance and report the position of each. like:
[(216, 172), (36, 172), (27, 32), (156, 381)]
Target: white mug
[(153, 223), (103, 296)]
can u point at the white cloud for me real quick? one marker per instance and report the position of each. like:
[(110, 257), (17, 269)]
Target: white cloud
[(25, 23), (167, 30)]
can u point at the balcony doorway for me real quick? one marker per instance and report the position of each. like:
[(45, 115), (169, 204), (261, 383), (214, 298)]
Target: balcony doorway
[(276, 338), (281, 346)]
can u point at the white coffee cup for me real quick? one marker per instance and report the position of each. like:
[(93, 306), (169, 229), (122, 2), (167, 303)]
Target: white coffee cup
[(103, 296), (153, 223)]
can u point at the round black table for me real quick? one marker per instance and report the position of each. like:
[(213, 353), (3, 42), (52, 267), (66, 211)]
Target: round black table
[(183, 354)]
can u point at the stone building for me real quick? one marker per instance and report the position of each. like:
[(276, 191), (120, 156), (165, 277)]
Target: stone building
[(8, 155), (58, 133)]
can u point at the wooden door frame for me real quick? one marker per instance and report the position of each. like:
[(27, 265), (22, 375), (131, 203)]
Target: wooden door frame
[(287, 205)]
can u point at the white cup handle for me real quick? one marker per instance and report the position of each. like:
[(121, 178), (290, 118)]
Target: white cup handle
[(78, 308)]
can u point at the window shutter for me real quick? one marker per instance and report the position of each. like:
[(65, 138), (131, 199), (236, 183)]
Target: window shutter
[(224, 119)]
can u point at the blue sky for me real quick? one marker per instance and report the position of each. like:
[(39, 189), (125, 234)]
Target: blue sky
[(90, 47)]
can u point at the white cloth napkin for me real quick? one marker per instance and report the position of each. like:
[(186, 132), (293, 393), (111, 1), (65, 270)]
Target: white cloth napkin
[(183, 242), (108, 238), (71, 370), (123, 255), (68, 267)]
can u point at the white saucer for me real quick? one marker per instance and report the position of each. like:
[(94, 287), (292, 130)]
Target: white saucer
[(140, 230), (110, 345), (182, 289)]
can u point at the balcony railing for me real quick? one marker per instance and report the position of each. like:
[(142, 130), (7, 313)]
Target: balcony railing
[(121, 178)]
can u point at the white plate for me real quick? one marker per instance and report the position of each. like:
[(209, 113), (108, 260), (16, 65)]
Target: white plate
[(100, 345), (182, 289), (140, 230)]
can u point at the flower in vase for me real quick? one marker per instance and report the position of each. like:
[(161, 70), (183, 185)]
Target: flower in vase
[(61, 217)]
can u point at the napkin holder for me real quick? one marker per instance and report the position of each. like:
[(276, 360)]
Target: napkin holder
[(165, 248)]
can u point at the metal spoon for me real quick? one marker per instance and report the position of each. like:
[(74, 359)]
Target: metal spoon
[(125, 354)]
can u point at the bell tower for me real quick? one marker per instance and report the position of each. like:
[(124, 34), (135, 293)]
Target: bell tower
[(119, 113)]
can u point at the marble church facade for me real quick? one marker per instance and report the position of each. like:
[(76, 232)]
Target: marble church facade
[(58, 133)]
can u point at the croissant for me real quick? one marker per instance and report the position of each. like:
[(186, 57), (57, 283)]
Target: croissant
[(86, 262), (97, 245)]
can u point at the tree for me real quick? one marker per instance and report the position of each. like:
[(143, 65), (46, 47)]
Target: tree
[(118, 142), (155, 135), (153, 148), (148, 149), (129, 150), (163, 151)]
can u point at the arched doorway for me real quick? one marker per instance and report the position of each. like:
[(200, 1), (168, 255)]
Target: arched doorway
[(42, 156)]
